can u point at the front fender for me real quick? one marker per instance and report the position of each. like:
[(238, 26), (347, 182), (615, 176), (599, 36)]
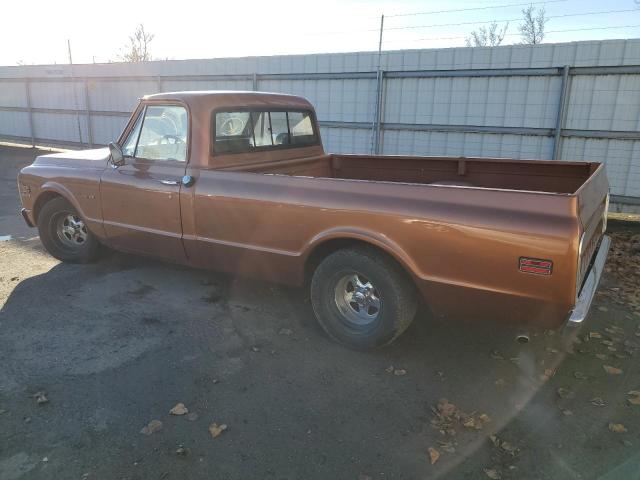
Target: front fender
[(50, 188)]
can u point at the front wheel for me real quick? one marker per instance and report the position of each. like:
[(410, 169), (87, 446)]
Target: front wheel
[(362, 298), (64, 233)]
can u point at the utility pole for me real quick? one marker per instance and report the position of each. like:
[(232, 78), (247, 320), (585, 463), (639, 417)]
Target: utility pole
[(380, 42), (375, 127), (69, 50)]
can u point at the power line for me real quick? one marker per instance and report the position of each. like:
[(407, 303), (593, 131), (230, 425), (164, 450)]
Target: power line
[(475, 8), (582, 14), (517, 34), (413, 27)]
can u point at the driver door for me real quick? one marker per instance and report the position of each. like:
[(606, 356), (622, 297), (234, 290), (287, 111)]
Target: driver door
[(141, 199)]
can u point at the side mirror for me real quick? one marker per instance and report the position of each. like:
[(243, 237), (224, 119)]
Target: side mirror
[(117, 157)]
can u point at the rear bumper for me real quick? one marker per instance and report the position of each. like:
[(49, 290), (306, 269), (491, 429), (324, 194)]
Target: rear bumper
[(26, 214), (590, 286)]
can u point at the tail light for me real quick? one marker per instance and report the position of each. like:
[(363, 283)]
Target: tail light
[(536, 265)]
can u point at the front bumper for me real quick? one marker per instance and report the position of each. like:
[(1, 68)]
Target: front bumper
[(27, 218), (583, 303)]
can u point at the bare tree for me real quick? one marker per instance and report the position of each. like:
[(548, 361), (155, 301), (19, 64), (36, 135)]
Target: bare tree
[(138, 48), (532, 26), (487, 37)]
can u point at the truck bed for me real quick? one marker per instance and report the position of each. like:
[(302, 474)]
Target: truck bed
[(495, 173)]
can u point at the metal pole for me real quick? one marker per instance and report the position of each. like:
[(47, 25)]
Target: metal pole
[(255, 81), (27, 85), (69, 50), (375, 125), (380, 102), (87, 106), (562, 107)]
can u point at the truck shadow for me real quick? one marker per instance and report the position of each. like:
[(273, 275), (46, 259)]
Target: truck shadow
[(131, 337)]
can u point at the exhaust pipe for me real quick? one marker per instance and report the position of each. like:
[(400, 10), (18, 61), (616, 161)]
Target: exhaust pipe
[(522, 338)]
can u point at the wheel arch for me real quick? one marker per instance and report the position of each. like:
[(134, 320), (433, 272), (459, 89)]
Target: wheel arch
[(329, 242), (48, 192)]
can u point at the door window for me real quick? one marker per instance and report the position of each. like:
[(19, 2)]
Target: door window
[(129, 147), (162, 135)]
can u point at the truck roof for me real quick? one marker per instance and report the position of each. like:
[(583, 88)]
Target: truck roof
[(227, 98)]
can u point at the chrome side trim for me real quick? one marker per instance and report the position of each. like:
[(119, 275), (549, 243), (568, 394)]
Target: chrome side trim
[(583, 303)]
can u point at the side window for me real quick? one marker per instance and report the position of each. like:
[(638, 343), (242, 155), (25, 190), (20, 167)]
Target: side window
[(261, 129), (163, 135), (236, 132), (301, 128), (129, 147), (279, 128), (233, 132)]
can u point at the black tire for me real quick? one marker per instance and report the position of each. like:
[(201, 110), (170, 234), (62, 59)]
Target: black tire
[(389, 283), (83, 247)]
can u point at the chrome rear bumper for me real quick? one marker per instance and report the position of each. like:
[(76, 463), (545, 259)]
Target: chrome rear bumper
[(583, 303)]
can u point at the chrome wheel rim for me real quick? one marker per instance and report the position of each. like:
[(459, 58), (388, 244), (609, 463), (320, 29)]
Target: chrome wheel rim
[(357, 299), (71, 230)]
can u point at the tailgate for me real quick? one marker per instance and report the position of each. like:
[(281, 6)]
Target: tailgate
[(593, 199)]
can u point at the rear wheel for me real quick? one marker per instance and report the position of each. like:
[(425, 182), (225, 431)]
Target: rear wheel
[(362, 298), (64, 233)]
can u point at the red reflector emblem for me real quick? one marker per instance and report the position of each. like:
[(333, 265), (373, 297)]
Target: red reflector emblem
[(536, 265)]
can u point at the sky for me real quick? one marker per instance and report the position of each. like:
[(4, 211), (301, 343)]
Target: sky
[(36, 32)]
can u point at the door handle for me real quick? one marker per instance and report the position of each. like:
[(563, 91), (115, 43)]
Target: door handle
[(170, 182)]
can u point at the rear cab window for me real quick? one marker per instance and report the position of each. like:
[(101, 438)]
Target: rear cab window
[(241, 131)]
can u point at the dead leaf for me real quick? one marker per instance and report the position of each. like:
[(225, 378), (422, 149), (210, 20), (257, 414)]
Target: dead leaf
[(192, 416), (447, 447), (597, 402), (609, 343), (601, 356), (255, 348), (41, 398), (495, 354), (567, 413), (179, 409), (595, 335), (634, 397), (446, 408), (500, 383), (603, 309), (492, 473), (612, 370), (434, 455), (617, 428), (509, 448), (389, 369), (580, 376), (564, 393), (152, 427), (181, 451), (216, 430), (548, 373), (399, 372)]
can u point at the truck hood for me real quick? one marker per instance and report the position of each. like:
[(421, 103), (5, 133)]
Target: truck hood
[(95, 157)]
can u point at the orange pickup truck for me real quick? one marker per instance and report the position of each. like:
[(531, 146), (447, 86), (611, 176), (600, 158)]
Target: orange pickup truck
[(239, 182)]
